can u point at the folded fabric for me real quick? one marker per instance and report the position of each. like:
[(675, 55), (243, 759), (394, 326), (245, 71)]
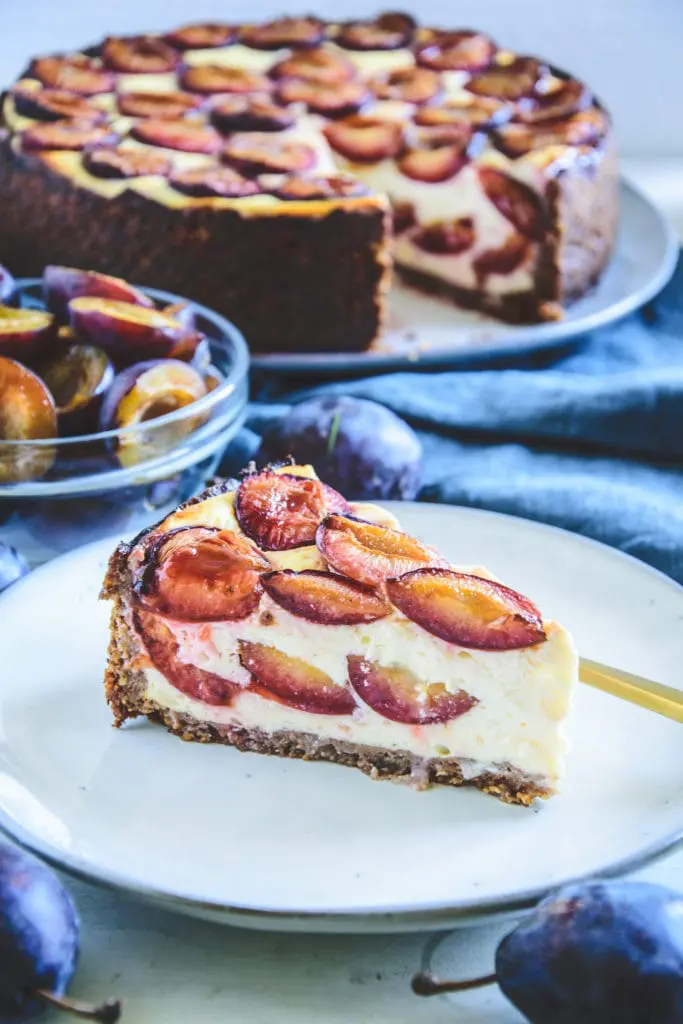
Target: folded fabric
[(591, 440)]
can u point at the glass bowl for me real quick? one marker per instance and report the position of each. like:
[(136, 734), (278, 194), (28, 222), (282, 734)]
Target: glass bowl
[(61, 492)]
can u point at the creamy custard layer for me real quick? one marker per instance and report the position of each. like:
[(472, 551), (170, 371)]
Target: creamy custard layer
[(523, 695)]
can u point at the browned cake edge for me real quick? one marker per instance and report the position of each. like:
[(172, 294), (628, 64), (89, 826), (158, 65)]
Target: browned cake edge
[(125, 687), (325, 275)]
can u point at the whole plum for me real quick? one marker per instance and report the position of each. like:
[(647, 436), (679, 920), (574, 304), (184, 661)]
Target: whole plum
[(38, 933), (598, 952), (39, 941), (591, 953), (358, 447)]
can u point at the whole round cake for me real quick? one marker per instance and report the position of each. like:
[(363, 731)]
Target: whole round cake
[(277, 171)]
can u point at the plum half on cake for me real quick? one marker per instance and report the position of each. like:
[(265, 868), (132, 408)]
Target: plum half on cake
[(231, 162), (277, 617)]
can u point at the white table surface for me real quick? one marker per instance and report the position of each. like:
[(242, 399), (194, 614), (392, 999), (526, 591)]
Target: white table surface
[(172, 970)]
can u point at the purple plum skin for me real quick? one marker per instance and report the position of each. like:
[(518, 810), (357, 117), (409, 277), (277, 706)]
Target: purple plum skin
[(358, 447), (39, 933), (61, 284), (596, 953), (122, 384)]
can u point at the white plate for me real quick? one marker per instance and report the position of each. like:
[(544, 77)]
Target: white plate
[(272, 843), (426, 331)]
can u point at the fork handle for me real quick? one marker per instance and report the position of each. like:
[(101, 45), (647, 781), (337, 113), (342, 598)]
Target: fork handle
[(664, 700)]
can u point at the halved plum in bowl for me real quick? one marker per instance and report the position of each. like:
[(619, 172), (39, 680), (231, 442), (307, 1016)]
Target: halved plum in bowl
[(24, 333), (27, 415), (65, 459), (62, 284), (78, 377), (128, 331), (148, 391)]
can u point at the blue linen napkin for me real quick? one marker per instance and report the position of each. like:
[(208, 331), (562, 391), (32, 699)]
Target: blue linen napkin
[(591, 440)]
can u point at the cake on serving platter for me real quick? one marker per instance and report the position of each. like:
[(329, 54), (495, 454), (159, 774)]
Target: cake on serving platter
[(274, 616), (259, 169)]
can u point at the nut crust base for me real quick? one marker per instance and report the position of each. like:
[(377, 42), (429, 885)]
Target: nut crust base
[(508, 784)]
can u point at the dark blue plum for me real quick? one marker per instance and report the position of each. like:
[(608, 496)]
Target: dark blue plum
[(12, 566), (598, 953), (359, 447), (38, 933)]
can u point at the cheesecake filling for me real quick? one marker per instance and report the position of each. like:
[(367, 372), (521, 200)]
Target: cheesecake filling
[(523, 695), (450, 201)]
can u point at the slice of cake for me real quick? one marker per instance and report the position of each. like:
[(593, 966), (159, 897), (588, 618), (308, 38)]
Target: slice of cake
[(277, 617), (228, 162)]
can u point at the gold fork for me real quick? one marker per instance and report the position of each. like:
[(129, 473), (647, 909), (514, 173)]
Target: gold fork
[(664, 700)]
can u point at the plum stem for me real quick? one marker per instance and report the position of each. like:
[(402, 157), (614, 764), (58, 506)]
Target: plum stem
[(107, 1013), (334, 431), (424, 984)]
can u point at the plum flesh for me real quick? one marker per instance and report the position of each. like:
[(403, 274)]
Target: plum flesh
[(279, 676), (371, 553), (24, 332), (61, 284), (78, 377), (467, 610), (126, 330), (147, 391), (27, 413), (280, 510)]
